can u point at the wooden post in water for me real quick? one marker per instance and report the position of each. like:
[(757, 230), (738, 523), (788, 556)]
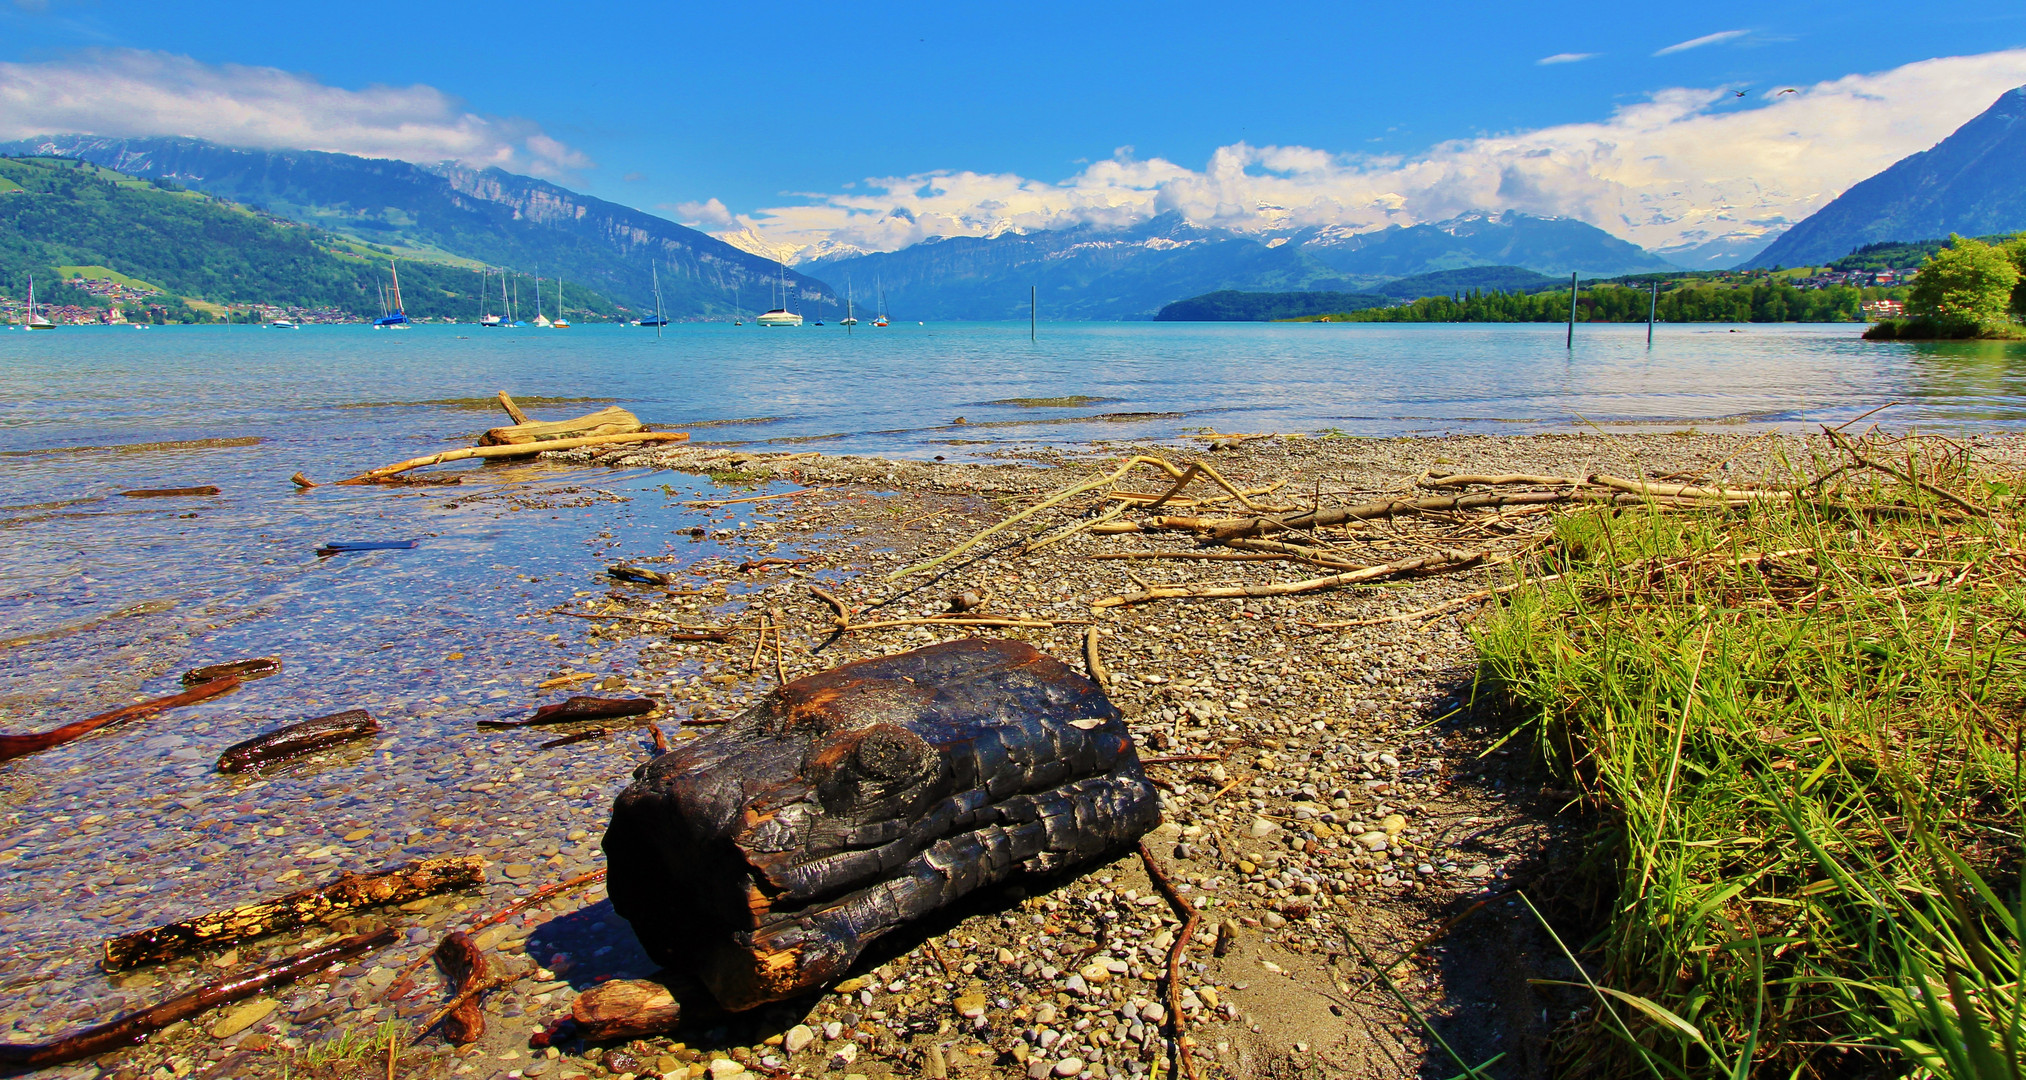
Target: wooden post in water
[(1652, 309), (1030, 313), (1572, 309)]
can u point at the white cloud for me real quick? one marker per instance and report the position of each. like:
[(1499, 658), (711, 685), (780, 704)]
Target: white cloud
[(1683, 167), (130, 92), (1707, 39), (1566, 58), (710, 214)]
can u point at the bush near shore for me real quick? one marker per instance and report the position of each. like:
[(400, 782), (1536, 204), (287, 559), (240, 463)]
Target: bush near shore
[(1969, 289), (1797, 723)]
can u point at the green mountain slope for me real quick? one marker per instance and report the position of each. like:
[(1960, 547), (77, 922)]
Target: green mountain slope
[(495, 217), (61, 213)]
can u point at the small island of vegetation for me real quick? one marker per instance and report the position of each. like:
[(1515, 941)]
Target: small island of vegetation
[(1969, 289)]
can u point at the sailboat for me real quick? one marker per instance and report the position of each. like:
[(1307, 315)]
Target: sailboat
[(541, 320), (560, 323), (881, 320), (781, 316), (392, 317), (507, 303), (35, 322), (490, 322), (850, 319), (660, 320)]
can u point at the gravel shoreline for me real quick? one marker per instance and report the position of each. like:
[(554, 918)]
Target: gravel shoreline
[(1331, 795)]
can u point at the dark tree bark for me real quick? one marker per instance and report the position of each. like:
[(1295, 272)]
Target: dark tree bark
[(764, 857)]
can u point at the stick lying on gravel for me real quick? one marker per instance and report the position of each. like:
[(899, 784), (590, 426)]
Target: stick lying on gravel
[(132, 1029), (1419, 564), (402, 984), (350, 892), (14, 746)]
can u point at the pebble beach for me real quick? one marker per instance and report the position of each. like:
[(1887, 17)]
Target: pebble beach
[(1335, 801)]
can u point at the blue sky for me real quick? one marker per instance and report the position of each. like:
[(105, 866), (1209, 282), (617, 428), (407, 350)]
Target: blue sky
[(761, 106)]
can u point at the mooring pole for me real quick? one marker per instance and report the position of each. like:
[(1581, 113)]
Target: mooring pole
[(1652, 308), (1572, 311), (1030, 312)]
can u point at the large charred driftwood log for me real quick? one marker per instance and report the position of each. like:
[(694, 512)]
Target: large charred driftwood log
[(764, 857), (350, 892)]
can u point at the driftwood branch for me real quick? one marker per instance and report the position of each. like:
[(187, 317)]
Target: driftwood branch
[(298, 739), (14, 746), (403, 982), (608, 421), (468, 972), (1686, 491), (134, 1027), (524, 450), (513, 411), (1419, 564), (1844, 444), (1190, 918), (1064, 494), (1465, 479), (350, 892)]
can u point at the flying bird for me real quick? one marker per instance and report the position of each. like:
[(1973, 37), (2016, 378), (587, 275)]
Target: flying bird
[(1741, 93), (1789, 90)]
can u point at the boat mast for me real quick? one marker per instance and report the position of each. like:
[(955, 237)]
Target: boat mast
[(660, 320), (392, 269)]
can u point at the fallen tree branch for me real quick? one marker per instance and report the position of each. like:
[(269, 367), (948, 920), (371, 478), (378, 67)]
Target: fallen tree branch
[(1685, 491), (517, 450), (1442, 608), (1462, 479), (1190, 918), (1071, 530), (14, 746), (1060, 496), (1419, 564), (349, 893), (1039, 624), (134, 1027), (1844, 444)]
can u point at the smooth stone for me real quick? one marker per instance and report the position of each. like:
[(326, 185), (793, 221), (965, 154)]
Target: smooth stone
[(1069, 1066), (243, 1017), (798, 1039), (1262, 828)]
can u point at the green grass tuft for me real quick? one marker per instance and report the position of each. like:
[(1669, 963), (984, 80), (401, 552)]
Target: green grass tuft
[(1800, 727)]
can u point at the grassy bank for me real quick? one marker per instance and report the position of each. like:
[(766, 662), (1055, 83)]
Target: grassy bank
[(1797, 723)]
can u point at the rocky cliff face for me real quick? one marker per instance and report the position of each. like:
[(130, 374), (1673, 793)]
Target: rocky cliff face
[(1973, 183), (497, 218)]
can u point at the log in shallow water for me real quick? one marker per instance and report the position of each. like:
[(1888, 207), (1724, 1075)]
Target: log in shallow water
[(14, 746), (764, 857), (296, 740), (350, 892)]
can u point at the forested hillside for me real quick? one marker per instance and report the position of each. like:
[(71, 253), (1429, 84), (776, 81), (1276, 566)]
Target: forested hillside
[(61, 213)]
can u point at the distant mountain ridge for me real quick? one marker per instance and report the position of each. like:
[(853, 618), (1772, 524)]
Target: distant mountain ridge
[(489, 216), (1087, 272), (1973, 183)]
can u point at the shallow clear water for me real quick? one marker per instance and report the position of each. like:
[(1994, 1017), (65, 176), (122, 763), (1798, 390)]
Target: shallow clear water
[(133, 826)]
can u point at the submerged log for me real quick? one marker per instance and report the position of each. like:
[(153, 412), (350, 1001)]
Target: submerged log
[(764, 857), (350, 892), (580, 708), (258, 667), (609, 421), (133, 1028), (14, 746), (295, 740), (164, 493)]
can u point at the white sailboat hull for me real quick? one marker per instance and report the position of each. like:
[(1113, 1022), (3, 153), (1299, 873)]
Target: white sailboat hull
[(779, 318)]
